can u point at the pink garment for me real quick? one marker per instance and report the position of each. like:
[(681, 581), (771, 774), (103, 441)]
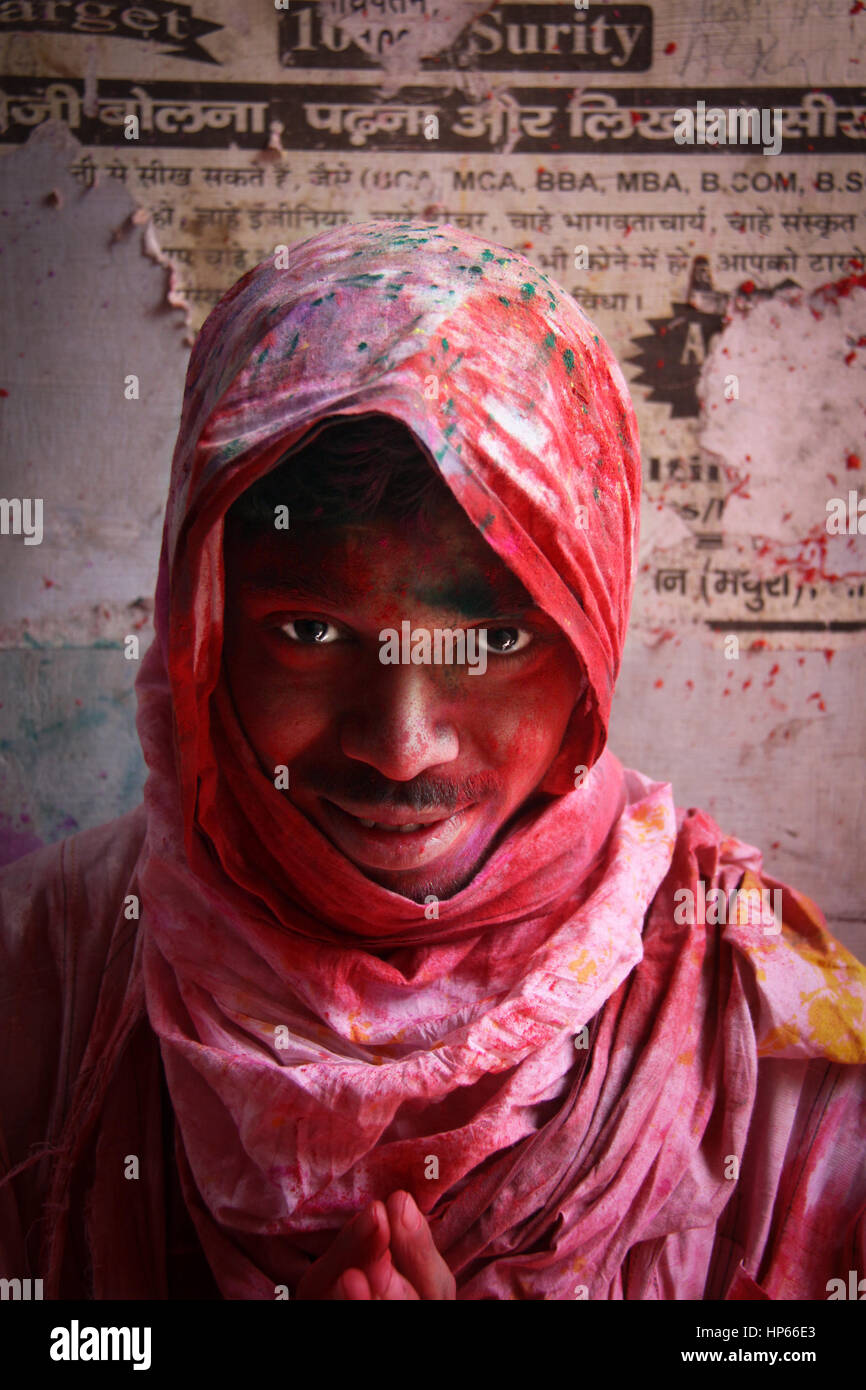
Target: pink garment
[(323, 1040)]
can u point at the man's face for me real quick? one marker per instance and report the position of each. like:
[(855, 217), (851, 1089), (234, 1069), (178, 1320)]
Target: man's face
[(411, 771)]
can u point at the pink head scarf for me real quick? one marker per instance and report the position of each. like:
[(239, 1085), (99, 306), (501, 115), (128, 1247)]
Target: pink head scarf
[(323, 1040)]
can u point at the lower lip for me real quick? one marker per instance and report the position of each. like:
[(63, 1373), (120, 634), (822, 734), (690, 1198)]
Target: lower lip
[(392, 849)]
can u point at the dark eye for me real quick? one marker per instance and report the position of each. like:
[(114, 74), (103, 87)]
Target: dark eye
[(503, 641), (310, 631)]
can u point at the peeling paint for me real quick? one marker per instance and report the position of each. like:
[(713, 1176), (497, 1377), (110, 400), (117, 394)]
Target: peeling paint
[(786, 441)]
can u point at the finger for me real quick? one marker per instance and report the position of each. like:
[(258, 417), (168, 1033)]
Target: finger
[(362, 1240), (353, 1286), (413, 1250), (387, 1284)]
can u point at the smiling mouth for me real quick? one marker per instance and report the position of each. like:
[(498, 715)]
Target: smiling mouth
[(409, 825), (394, 824), (395, 821), (390, 840)]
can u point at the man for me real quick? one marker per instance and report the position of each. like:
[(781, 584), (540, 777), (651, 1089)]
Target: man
[(386, 992)]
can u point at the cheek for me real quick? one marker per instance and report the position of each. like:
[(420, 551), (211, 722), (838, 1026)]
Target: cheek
[(523, 726), (280, 716)]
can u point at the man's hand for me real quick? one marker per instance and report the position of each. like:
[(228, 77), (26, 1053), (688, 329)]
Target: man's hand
[(385, 1253)]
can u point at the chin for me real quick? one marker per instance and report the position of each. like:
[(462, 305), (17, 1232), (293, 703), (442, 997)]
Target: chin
[(441, 887), (441, 881)]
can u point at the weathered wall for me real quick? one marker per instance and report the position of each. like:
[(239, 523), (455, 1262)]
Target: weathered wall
[(769, 738), (88, 307)]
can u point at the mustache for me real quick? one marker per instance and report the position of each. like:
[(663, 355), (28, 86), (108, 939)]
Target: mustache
[(370, 788)]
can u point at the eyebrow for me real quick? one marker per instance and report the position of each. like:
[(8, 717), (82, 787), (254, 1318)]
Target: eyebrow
[(313, 588), (475, 597), (479, 596)]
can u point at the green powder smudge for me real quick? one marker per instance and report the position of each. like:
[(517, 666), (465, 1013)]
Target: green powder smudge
[(364, 280)]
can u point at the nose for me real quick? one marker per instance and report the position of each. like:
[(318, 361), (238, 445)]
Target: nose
[(399, 723)]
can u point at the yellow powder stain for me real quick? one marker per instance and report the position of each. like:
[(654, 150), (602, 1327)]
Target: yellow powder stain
[(836, 1023), (360, 1031), (837, 1016), (650, 818), (583, 966), (686, 1058), (835, 963), (745, 907), (785, 1035)]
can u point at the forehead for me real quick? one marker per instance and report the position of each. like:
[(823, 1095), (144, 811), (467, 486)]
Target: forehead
[(437, 558)]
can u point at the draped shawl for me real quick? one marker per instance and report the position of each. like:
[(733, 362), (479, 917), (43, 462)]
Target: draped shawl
[(558, 1070)]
